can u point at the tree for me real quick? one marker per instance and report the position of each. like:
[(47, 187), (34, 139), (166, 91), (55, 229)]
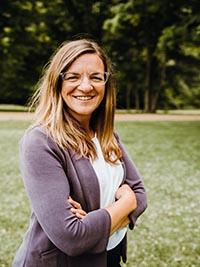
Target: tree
[(31, 31), (154, 46), (23, 37), (145, 23)]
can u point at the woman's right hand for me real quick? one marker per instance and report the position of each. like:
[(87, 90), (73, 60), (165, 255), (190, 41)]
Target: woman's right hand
[(120, 209), (125, 191)]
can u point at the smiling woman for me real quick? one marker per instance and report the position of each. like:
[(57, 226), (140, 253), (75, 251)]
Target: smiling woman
[(83, 188), (78, 85), (83, 87)]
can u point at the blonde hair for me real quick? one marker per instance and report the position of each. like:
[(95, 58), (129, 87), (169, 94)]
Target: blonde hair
[(51, 112)]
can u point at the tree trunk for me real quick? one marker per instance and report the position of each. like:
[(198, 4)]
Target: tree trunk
[(147, 94), (150, 97), (128, 96), (137, 100), (154, 101)]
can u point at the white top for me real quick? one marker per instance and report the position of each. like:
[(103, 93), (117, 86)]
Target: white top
[(110, 178)]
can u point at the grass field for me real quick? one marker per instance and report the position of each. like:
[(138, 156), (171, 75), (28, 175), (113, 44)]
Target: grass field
[(20, 108), (168, 157), (15, 108)]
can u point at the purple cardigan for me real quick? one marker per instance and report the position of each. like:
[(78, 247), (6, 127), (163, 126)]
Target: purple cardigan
[(56, 237)]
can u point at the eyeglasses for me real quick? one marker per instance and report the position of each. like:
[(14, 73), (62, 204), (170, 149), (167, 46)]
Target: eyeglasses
[(75, 79)]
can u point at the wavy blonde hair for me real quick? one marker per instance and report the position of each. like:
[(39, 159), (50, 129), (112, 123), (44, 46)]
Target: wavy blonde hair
[(52, 114)]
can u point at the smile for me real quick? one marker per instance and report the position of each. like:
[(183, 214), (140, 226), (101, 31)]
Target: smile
[(84, 98)]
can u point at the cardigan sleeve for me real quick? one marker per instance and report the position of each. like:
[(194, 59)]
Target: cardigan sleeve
[(47, 186), (134, 180)]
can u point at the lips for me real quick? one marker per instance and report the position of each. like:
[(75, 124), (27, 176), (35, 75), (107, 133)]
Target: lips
[(84, 98)]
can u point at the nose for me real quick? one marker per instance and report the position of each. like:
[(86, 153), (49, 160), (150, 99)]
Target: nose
[(85, 84)]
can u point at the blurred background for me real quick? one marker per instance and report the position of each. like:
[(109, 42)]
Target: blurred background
[(153, 44)]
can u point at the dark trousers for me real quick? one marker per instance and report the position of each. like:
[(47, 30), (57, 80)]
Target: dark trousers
[(114, 256)]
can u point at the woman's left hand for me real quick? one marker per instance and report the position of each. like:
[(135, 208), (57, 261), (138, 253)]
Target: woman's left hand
[(77, 209)]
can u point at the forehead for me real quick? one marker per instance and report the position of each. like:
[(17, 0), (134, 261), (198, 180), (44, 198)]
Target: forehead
[(87, 62)]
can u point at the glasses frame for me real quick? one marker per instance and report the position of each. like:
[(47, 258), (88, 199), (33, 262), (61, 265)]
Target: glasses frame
[(107, 74)]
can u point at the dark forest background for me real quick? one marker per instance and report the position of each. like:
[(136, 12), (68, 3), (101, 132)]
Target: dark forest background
[(154, 46)]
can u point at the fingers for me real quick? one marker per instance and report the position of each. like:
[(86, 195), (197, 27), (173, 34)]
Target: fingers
[(79, 213), (74, 203), (77, 209)]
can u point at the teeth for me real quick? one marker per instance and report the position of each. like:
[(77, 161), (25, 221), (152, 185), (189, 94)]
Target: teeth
[(83, 97)]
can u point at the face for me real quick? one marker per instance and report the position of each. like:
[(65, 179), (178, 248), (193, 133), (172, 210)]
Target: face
[(80, 91)]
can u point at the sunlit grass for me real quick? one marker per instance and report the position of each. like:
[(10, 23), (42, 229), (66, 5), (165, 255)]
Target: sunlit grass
[(162, 111), (20, 108), (168, 157), (13, 108)]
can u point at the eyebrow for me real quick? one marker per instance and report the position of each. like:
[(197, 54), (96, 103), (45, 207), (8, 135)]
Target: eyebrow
[(96, 72), (92, 72), (69, 72)]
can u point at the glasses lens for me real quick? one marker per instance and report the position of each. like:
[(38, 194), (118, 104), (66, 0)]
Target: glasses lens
[(94, 78)]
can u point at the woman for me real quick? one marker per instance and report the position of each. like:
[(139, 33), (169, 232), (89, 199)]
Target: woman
[(83, 188)]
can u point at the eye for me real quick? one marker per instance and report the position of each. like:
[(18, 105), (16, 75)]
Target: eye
[(72, 77), (97, 77)]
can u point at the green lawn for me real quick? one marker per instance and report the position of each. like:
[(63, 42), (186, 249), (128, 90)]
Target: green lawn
[(13, 108), (168, 157), (20, 108)]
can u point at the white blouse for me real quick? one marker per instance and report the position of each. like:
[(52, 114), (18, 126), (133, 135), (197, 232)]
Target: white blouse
[(109, 178)]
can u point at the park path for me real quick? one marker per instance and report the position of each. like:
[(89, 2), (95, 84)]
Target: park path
[(119, 117)]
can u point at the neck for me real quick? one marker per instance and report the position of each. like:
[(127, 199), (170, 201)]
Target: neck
[(88, 129)]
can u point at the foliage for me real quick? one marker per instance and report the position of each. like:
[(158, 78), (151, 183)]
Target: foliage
[(168, 159), (154, 46), (160, 54)]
